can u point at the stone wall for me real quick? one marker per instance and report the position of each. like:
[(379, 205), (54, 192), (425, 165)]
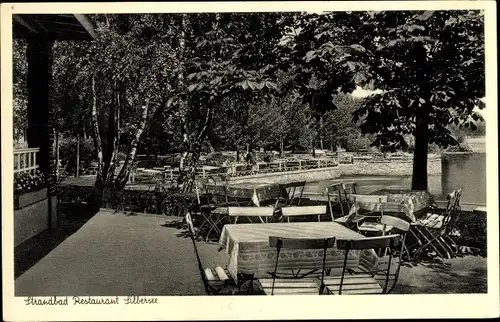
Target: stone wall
[(359, 167), (388, 168), (299, 175)]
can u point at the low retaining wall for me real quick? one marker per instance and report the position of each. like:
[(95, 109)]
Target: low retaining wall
[(33, 215), (359, 167), (388, 168), (299, 175)]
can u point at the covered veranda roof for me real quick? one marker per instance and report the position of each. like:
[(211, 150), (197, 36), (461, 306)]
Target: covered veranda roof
[(57, 26)]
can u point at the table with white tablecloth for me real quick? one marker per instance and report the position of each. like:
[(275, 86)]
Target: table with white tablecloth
[(250, 253)]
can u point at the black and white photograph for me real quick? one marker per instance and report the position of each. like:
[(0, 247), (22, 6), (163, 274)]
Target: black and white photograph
[(307, 148)]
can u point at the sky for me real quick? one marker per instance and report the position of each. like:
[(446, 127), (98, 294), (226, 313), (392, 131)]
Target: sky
[(360, 93)]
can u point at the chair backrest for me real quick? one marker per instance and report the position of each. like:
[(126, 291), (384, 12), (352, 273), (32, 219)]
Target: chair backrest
[(251, 211), (390, 241), (334, 187), (346, 187), (339, 193), (454, 200), (289, 190), (301, 243), (452, 209), (368, 198), (395, 222), (397, 207), (383, 242), (350, 186), (367, 202), (288, 212), (303, 211)]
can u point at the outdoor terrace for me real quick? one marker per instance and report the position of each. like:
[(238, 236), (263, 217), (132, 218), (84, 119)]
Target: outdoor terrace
[(113, 247)]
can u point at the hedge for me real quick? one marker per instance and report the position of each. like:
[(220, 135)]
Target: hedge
[(166, 202), (471, 230)]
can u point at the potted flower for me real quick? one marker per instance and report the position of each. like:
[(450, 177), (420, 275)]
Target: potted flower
[(29, 188)]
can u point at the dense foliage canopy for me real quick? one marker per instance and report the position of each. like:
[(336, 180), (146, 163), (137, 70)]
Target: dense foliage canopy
[(186, 82)]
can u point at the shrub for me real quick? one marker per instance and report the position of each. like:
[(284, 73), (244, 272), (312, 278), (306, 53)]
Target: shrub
[(67, 153), (166, 202), (162, 201), (471, 229), (28, 182)]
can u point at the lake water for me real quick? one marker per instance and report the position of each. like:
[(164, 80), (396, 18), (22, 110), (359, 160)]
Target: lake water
[(465, 170)]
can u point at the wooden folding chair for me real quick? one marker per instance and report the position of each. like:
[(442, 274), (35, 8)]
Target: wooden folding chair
[(217, 281), (278, 285), (264, 214), (302, 211), (396, 226), (436, 226), (342, 190), (213, 206), (288, 195), (354, 219), (378, 227), (349, 283)]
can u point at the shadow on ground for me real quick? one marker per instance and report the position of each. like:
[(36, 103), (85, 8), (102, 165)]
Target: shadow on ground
[(462, 274), (71, 218)]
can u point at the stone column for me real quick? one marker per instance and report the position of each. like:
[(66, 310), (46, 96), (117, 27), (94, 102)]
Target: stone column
[(41, 112)]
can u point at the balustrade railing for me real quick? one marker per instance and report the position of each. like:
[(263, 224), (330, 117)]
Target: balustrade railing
[(25, 160)]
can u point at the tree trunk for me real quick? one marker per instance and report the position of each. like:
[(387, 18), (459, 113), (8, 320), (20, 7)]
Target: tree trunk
[(187, 177), (182, 103), (111, 139), (281, 147), (99, 182), (77, 155), (419, 176), (57, 156), (321, 132), (122, 178)]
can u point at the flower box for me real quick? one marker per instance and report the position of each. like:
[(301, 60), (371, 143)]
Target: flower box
[(29, 198)]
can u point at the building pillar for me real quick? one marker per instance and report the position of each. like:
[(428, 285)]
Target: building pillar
[(41, 112)]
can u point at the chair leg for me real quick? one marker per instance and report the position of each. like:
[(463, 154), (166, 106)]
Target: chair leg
[(442, 244), (419, 243), (429, 242), (454, 243), (340, 202)]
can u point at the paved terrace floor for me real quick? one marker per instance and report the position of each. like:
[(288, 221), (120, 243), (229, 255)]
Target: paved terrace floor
[(118, 254)]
